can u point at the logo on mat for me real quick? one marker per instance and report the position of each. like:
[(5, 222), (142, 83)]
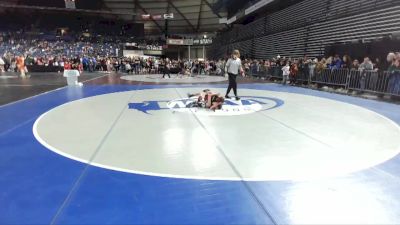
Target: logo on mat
[(247, 105)]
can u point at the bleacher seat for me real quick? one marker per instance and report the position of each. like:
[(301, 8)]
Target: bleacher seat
[(310, 25)]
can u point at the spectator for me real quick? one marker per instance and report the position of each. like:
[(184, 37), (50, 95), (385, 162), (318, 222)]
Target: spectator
[(394, 74), (20, 63), (378, 65), (294, 69), (312, 66), (364, 68), (7, 61), (303, 67), (356, 64), (391, 59), (329, 62), (220, 67), (366, 65), (128, 67), (167, 67), (263, 69), (67, 65), (2, 63), (321, 65), (346, 63), (336, 62), (247, 67), (286, 73)]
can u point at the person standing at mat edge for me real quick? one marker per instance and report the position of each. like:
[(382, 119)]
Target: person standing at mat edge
[(167, 66), (233, 67)]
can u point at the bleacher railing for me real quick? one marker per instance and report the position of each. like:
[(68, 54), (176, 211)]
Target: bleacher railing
[(381, 83), (336, 77)]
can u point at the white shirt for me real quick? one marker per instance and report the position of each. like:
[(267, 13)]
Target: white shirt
[(233, 66), (286, 70)]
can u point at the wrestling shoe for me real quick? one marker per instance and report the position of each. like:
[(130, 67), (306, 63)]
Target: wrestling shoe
[(227, 96), (237, 98)]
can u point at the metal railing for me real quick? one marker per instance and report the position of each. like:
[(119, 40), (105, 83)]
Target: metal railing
[(336, 77), (303, 75), (382, 83), (375, 82)]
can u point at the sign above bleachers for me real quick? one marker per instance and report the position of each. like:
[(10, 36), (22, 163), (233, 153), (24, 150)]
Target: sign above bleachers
[(157, 16), (223, 20), (171, 41), (231, 20), (70, 4), (136, 46), (168, 16), (257, 6), (203, 41)]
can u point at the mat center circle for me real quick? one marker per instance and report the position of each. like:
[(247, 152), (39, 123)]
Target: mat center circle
[(279, 136), (231, 107)]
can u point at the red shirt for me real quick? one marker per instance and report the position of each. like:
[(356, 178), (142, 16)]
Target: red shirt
[(67, 66)]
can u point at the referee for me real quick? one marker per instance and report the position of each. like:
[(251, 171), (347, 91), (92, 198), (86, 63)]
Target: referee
[(233, 67)]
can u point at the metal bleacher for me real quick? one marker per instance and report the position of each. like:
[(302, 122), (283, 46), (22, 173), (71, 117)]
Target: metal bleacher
[(310, 25), (367, 26), (296, 16), (286, 43)]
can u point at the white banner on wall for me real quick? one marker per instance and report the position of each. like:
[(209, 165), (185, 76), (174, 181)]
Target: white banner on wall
[(133, 53), (70, 4), (204, 41), (175, 41), (179, 41), (168, 16), (257, 6), (231, 20)]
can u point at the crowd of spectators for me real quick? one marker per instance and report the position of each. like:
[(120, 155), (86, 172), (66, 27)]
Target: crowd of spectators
[(383, 73), (315, 65), (19, 51), (153, 65), (88, 55), (51, 53)]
